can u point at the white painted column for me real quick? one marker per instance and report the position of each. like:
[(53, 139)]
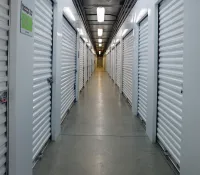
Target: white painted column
[(190, 146), (20, 94), (151, 122)]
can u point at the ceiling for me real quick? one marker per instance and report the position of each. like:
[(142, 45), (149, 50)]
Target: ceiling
[(112, 9), (116, 12)]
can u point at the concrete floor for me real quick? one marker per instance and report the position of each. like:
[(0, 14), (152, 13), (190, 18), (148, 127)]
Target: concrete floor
[(101, 137)]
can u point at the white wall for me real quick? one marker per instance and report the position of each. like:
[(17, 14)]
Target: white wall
[(190, 160), (58, 17), (190, 126), (130, 24), (21, 85), (20, 94)]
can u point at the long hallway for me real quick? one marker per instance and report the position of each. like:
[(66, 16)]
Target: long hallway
[(101, 137)]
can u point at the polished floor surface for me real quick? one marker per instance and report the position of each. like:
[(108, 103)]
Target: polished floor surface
[(101, 137)]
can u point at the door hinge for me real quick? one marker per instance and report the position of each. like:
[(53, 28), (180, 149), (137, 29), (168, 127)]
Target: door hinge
[(50, 80)]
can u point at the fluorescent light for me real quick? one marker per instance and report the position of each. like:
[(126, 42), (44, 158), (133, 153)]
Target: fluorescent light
[(100, 40), (69, 13), (99, 52), (124, 32), (142, 13), (100, 32), (100, 14), (100, 44), (80, 31), (85, 40)]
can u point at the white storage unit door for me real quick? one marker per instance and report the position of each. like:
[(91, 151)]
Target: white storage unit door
[(68, 67), (118, 63), (170, 76), (4, 30), (143, 68), (127, 66), (81, 64), (113, 63), (112, 55), (88, 54), (110, 63), (42, 74), (89, 63), (85, 64)]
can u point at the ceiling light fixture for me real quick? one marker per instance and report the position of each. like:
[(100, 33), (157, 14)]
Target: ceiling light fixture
[(85, 40), (100, 32), (69, 13), (100, 40), (124, 32), (100, 14), (100, 44), (80, 31)]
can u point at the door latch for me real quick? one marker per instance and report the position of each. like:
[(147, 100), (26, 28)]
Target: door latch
[(50, 80), (3, 97)]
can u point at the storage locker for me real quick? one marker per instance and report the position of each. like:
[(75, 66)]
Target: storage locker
[(170, 77), (4, 30), (68, 67), (42, 75), (143, 68), (127, 65), (81, 64), (118, 59)]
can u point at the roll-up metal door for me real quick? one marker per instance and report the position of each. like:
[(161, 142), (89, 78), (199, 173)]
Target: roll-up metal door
[(143, 68), (81, 64), (4, 30), (68, 67), (42, 74), (170, 77), (114, 64), (88, 63), (109, 56), (118, 63), (85, 64), (112, 57), (127, 65)]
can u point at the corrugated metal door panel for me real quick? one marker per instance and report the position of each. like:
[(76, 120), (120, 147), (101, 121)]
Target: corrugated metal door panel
[(118, 63), (170, 76), (88, 63), (90, 57), (81, 64), (143, 68), (110, 65), (42, 71), (68, 67), (127, 65), (85, 64), (114, 64), (4, 30), (112, 55)]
